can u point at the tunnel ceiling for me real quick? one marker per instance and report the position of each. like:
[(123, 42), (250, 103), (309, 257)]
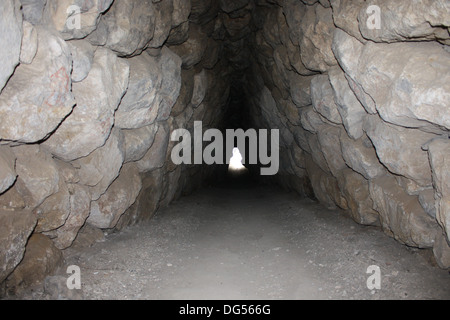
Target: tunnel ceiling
[(92, 91)]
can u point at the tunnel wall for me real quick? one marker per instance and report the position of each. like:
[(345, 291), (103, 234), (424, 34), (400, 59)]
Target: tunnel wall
[(90, 93), (360, 92), (91, 90)]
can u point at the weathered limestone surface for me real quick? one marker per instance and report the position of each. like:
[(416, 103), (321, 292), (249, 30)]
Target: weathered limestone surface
[(40, 259), (16, 226), (38, 96), (99, 169), (38, 176), (401, 214), (127, 27), (400, 149), (75, 19), (97, 96), (7, 168), (10, 42), (438, 151), (106, 211)]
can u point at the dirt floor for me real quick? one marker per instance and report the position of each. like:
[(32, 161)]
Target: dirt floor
[(244, 241)]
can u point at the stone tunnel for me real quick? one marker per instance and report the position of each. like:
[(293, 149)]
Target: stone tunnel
[(92, 92)]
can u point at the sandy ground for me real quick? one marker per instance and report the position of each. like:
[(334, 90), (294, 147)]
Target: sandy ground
[(246, 241)]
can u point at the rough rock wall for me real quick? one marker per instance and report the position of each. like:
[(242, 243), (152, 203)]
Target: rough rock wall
[(90, 92), (361, 97)]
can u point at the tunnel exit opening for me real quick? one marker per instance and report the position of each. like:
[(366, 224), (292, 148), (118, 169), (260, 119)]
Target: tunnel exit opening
[(236, 162)]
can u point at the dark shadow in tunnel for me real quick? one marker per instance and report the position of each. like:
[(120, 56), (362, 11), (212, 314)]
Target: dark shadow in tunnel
[(238, 116)]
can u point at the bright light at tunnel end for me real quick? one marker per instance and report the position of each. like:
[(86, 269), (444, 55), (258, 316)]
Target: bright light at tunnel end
[(236, 161), (259, 150)]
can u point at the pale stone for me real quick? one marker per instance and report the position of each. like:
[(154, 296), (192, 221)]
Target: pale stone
[(153, 90), (38, 176), (317, 154), (311, 119), (427, 201), (7, 168), (441, 251), (347, 51), (29, 43), (410, 186), (439, 151), (12, 200), (149, 199), (38, 96), (41, 259), (291, 111), (323, 99), (156, 155), (80, 204), (315, 45), (75, 19), (106, 211), (171, 82), (98, 96), (409, 82), (67, 172), (101, 167), (15, 228), (138, 142), (139, 106), (356, 190), (360, 155), (350, 109), (401, 215), (83, 57), (163, 22), (53, 212), (405, 20), (328, 137), (88, 236), (345, 16), (127, 27), (181, 11), (400, 149), (300, 137), (33, 10), (325, 186), (11, 39), (298, 156)]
